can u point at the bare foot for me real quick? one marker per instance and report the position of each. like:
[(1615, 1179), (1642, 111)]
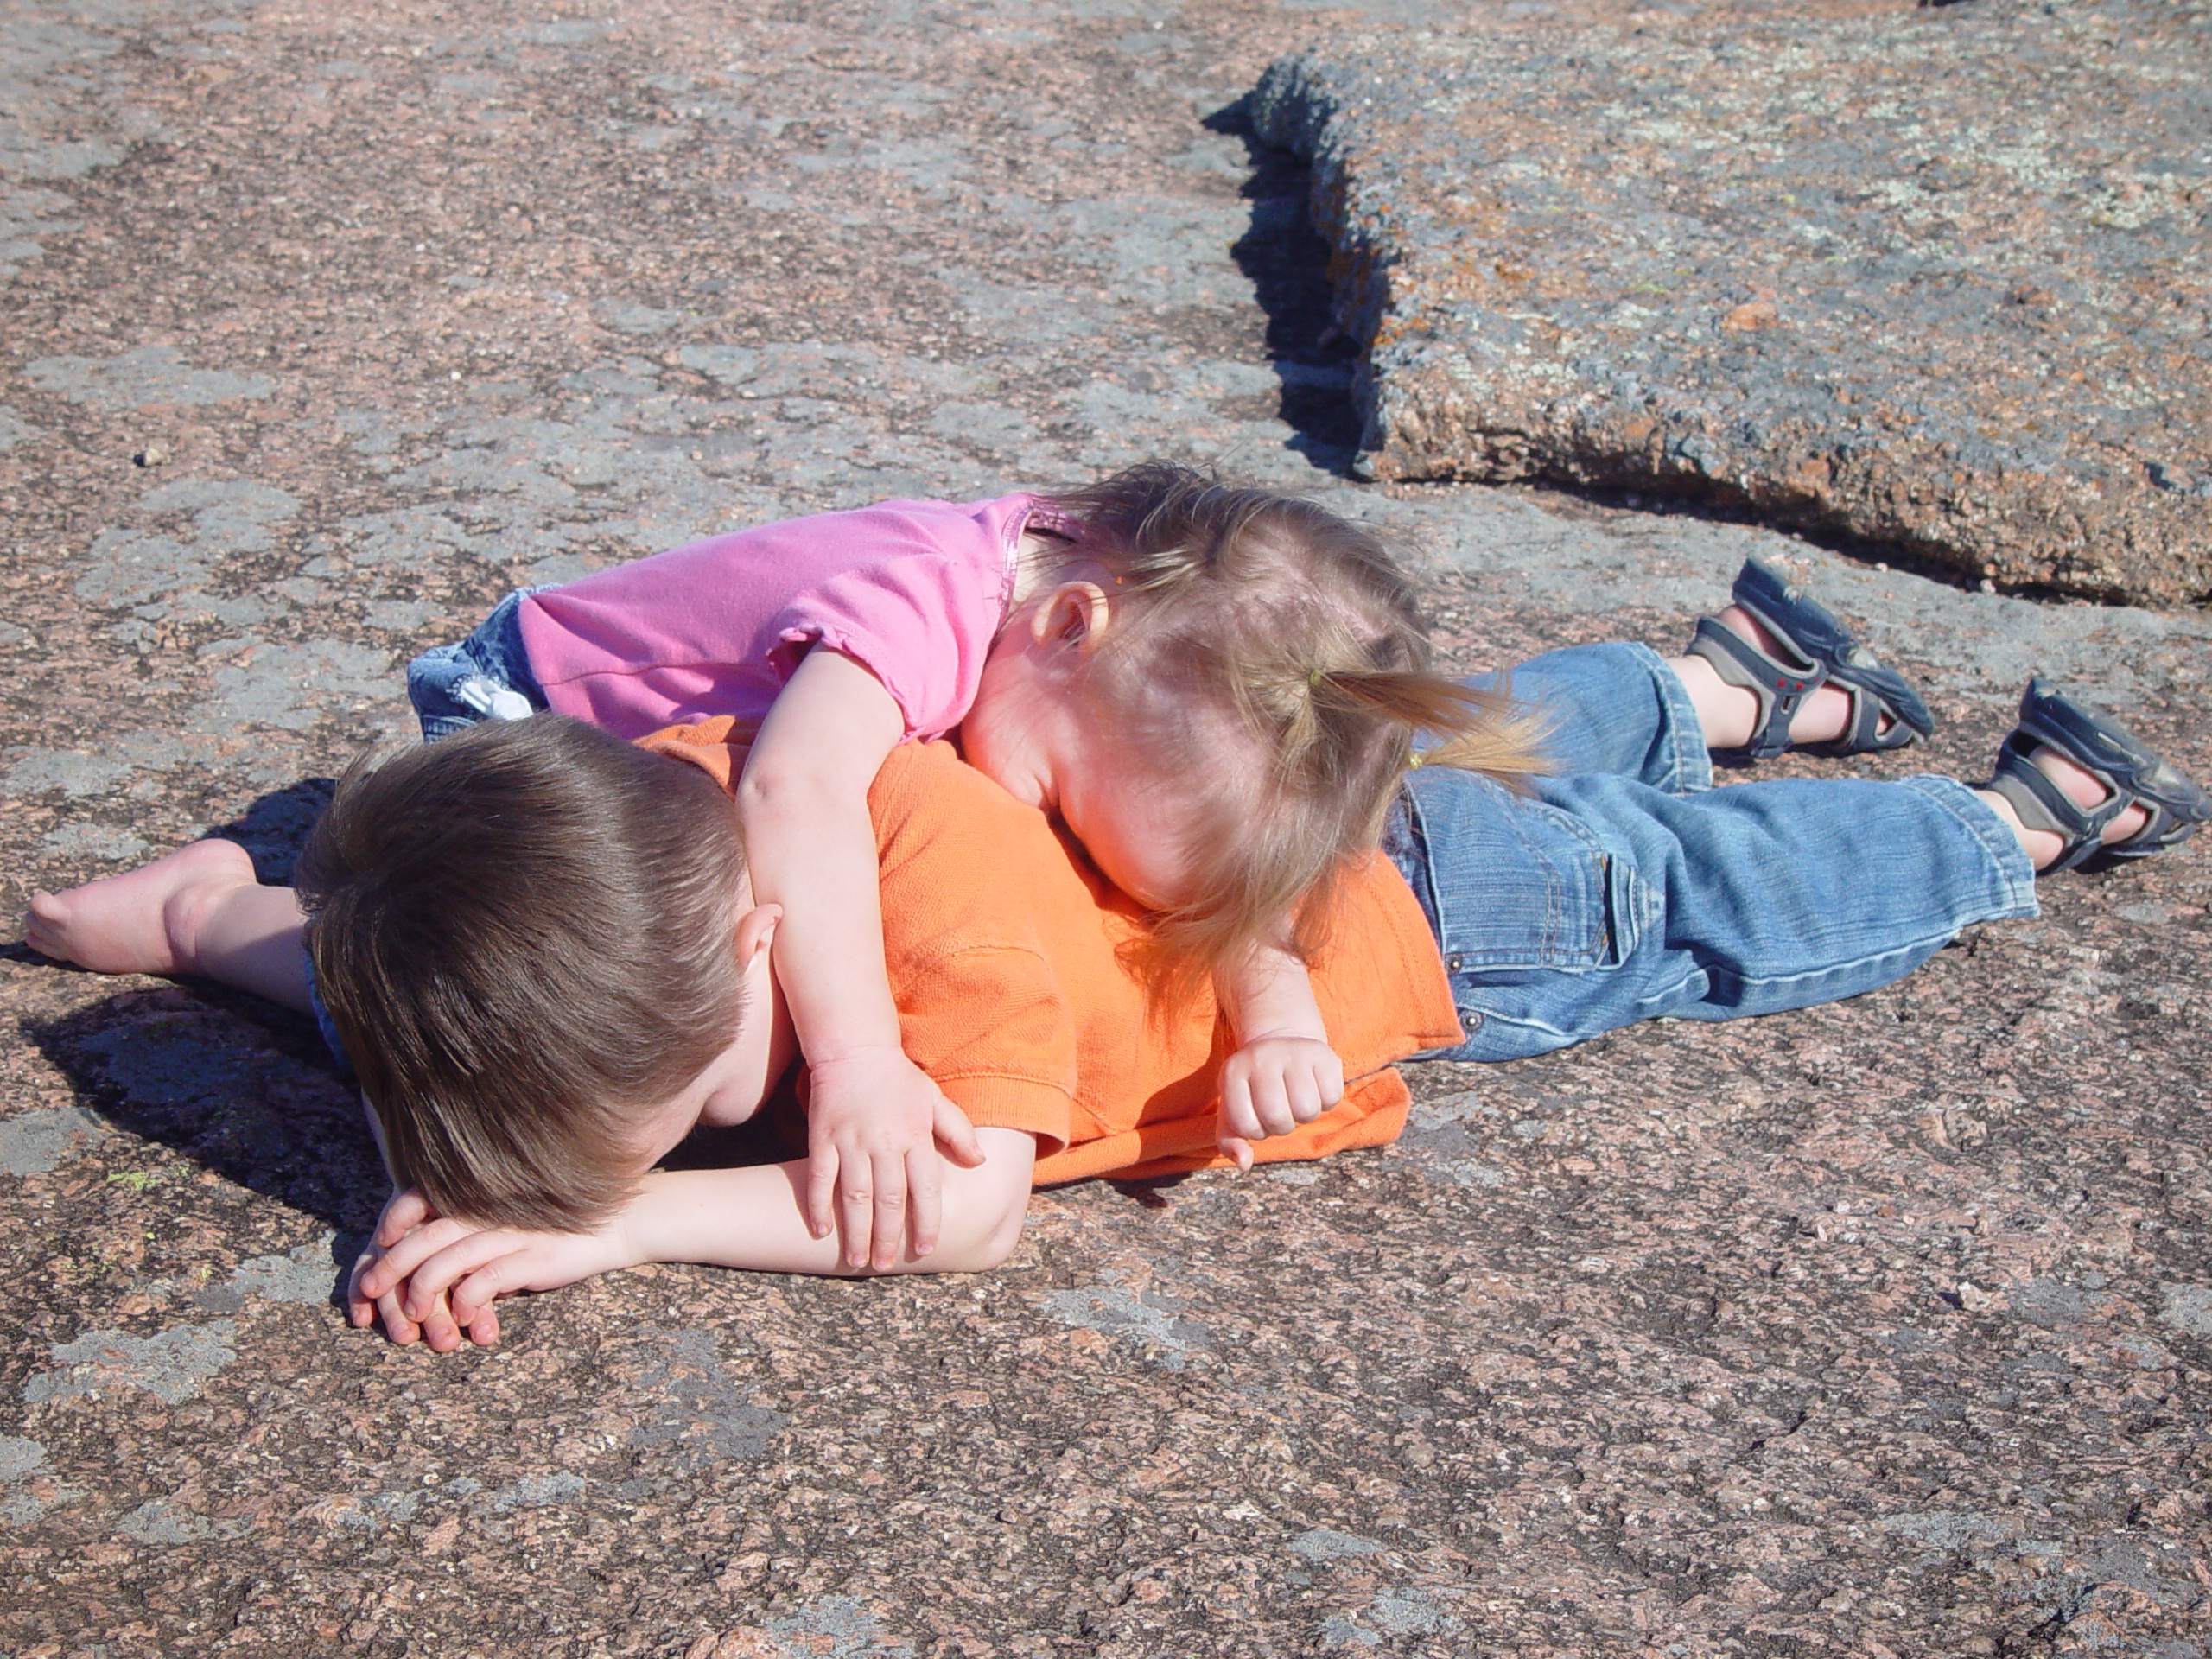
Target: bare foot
[(147, 921)]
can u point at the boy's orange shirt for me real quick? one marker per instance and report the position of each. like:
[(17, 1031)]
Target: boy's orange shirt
[(1007, 954)]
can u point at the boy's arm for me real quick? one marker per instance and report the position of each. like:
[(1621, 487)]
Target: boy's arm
[(803, 805), (753, 1217), (1284, 1072)]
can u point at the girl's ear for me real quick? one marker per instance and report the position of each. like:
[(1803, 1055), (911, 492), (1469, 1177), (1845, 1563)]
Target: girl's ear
[(1075, 613)]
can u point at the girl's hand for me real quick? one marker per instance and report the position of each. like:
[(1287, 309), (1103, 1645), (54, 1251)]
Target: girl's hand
[(1273, 1084), (875, 1123)]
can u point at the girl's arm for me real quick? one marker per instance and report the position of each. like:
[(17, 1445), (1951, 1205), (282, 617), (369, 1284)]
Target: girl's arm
[(1284, 1072), (755, 1218), (802, 804)]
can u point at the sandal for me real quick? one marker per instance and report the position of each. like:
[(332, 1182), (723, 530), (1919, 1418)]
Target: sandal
[(1824, 653), (2112, 755)]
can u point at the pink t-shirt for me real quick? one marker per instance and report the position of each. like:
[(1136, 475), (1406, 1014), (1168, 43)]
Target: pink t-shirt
[(914, 590)]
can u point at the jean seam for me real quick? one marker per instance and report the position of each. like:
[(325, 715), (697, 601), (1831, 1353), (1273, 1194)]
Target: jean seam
[(1689, 761), (2014, 871)]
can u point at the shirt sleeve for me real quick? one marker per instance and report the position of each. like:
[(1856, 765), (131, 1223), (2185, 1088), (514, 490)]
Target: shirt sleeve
[(922, 625), (990, 1027)]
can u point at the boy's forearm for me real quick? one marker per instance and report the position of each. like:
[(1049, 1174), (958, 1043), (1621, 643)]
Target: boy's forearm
[(755, 1218)]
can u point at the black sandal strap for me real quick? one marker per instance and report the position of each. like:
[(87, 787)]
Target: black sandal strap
[(2041, 804), (1780, 689)]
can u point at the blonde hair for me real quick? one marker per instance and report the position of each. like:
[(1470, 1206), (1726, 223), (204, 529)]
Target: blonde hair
[(524, 933), (1270, 620)]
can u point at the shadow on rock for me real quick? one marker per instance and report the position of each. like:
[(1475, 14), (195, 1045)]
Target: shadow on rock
[(1287, 262), (238, 1086), (275, 828)]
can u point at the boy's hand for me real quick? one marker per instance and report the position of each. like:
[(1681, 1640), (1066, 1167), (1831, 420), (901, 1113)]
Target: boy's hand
[(1273, 1084), (370, 1295), (444, 1275), (874, 1124)]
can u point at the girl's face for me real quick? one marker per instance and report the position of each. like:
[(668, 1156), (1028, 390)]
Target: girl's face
[(1032, 732)]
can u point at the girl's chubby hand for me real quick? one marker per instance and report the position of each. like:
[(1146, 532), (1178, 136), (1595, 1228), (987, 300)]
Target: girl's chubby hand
[(875, 1125), (437, 1277), (1271, 1085)]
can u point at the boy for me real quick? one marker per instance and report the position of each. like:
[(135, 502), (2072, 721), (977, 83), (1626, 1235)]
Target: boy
[(1006, 946)]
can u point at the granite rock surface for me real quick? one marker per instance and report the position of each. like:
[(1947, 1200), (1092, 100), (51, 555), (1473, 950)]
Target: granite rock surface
[(1936, 279), (1883, 1329)]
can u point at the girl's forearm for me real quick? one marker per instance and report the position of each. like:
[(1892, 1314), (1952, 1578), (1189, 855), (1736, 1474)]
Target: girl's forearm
[(1269, 995), (810, 847), (802, 802)]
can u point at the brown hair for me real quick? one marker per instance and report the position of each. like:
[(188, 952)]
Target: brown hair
[(524, 935), (1264, 617)]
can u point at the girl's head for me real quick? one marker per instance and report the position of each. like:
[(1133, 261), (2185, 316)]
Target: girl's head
[(1218, 690), (524, 934)]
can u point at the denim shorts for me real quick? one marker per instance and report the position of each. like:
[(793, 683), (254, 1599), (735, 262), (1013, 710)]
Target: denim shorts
[(1627, 887), (453, 687)]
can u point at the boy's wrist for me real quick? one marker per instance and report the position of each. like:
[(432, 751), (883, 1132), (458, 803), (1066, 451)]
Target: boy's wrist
[(638, 1233)]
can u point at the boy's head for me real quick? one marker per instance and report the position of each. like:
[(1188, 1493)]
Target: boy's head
[(1247, 672), (524, 933)]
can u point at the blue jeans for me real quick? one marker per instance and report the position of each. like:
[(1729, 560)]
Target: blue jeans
[(1629, 888), (453, 687)]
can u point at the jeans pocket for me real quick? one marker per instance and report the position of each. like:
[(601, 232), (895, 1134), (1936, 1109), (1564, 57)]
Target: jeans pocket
[(1516, 883)]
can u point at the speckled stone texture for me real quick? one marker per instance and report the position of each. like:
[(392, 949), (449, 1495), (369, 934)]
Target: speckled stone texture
[(1880, 1330), (1936, 279)]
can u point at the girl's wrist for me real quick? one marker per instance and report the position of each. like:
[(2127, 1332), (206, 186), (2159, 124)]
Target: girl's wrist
[(846, 1056)]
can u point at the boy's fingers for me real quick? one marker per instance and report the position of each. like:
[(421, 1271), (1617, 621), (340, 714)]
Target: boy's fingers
[(1235, 1147), (397, 1326), (401, 1216), (428, 1285), (439, 1330), (472, 1298), (359, 1308), (401, 1259), (484, 1277)]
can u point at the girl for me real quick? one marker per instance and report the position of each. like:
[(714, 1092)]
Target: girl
[(1214, 688)]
